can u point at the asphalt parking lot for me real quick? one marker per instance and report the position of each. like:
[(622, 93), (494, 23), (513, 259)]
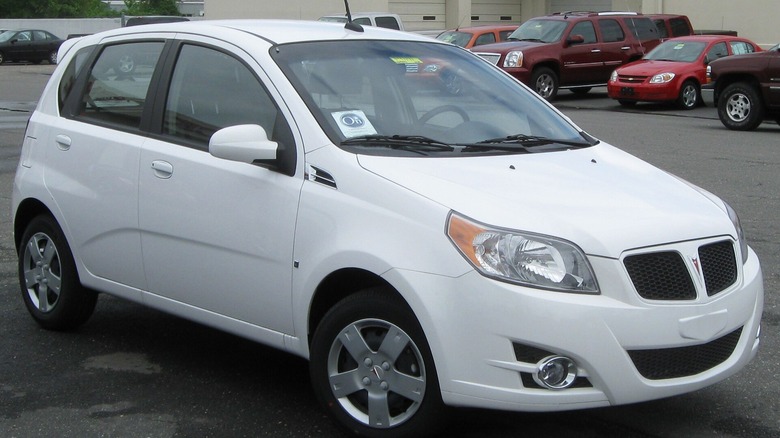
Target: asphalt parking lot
[(135, 372)]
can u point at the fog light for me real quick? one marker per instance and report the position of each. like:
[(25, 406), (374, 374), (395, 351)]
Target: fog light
[(556, 372)]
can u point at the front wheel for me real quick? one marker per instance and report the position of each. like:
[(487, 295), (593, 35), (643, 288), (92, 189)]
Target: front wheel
[(545, 82), (372, 369), (50, 286), (689, 97), (740, 107)]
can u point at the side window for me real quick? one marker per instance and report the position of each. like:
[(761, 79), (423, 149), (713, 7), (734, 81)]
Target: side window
[(203, 100), (584, 28), (611, 31), (363, 21), (661, 26), (71, 73), (717, 51), (118, 83), (40, 35), (504, 34), (485, 38), (642, 28), (679, 27), (24, 36), (388, 22), (741, 47)]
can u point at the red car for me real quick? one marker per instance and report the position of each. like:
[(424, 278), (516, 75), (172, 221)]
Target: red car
[(469, 37), (675, 70)]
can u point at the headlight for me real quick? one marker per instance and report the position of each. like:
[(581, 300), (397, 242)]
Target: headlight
[(743, 246), (525, 258), (614, 76), (662, 78), (514, 59)]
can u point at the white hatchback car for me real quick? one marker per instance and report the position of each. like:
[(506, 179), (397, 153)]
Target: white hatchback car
[(328, 192)]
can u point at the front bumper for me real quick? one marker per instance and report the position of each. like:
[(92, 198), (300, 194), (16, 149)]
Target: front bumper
[(477, 326), (642, 92)]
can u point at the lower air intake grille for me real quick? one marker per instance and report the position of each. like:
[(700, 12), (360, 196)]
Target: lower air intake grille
[(669, 363)]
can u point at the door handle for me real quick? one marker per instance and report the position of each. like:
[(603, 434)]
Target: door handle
[(625, 48), (63, 142), (595, 51), (162, 169)]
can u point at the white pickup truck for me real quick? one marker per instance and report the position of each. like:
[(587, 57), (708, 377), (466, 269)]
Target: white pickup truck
[(378, 19)]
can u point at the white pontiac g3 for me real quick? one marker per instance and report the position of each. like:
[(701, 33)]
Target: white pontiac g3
[(420, 226)]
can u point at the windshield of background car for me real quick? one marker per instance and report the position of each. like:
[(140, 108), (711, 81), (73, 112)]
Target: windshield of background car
[(439, 92), (453, 37), (7, 35), (679, 51), (546, 31)]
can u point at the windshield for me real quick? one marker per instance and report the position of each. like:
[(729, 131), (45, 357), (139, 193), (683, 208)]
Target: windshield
[(680, 51), (454, 37), (415, 92), (546, 31)]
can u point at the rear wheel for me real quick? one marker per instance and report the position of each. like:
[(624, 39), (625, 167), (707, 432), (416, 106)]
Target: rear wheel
[(689, 97), (53, 57), (49, 282), (545, 82), (740, 107), (2, 58), (372, 369)]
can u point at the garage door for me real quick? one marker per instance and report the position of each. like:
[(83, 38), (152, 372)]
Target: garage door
[(495, 12), (571, 5), (419, 14)]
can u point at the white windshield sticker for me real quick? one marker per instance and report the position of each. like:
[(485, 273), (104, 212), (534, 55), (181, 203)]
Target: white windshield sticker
[(354, 123)]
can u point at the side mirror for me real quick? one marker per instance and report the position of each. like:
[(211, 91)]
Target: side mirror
[(575, 39), (243, 143)]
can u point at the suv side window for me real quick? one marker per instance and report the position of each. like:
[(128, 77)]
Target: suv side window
[(584, 28), (387, 22), (643, 28), (679, 27), (203, 100), (485, 38), (611, 31), (118, 84)]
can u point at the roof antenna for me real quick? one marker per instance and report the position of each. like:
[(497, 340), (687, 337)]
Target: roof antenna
[(351, 25)]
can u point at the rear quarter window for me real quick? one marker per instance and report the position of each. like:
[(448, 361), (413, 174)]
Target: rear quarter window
[(644, 29)]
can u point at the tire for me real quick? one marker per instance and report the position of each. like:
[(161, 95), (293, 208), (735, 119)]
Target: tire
[(740, 107), (344, 377), (627, 103), (2, 58), (49, 282), (52, 57), (545, 82), (690, 96)]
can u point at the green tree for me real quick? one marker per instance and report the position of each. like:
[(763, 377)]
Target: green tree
[(151, 7), (54, 9)]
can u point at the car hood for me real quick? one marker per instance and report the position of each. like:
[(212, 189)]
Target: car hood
[(650, 67), (603, 199)]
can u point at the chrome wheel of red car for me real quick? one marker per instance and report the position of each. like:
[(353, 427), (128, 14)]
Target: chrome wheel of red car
[(689, 96)]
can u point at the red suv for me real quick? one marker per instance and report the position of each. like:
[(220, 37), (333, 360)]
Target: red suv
[(572, 50)]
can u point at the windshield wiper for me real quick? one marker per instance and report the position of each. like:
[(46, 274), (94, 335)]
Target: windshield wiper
[(413, 143), (530, 141)]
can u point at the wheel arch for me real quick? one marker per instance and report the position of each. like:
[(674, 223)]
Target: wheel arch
[(339, 285), (25, 212), (726, 80)]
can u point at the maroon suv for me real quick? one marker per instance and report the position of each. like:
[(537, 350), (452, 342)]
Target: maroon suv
[(573, 50)]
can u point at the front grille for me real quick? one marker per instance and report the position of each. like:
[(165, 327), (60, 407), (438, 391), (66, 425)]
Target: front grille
[(719, 266), (665, 276), (660, 276), (670, 363), (631, 79)]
